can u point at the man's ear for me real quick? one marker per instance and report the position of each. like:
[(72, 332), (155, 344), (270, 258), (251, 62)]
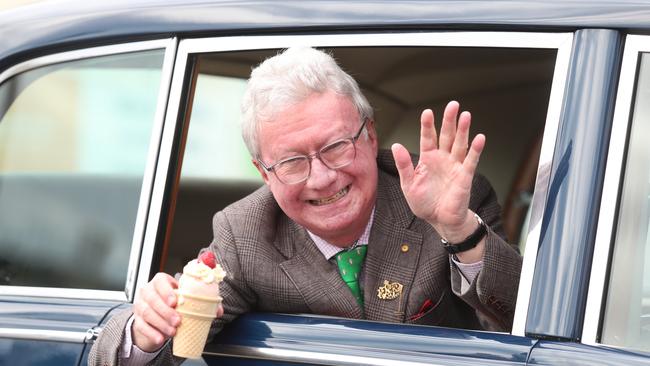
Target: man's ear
[(372, 135), (263, 173)]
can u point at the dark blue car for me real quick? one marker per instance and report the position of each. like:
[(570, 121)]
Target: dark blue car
[(119, 140)]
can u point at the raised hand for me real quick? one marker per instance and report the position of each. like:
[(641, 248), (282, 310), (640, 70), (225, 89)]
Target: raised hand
[(438, 189)]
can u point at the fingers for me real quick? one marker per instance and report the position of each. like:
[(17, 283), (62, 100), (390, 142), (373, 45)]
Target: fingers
[(220, 311), (454, 137), (474, 154), (459, 148), (165, 286), (403, 163), (448, 128), (146, 337), (428, 137), (155, 317)]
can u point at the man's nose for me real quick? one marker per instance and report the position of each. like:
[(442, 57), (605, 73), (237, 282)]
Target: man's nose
[(321, 176)]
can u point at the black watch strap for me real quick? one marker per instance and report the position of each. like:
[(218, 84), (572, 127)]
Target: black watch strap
[(469, 242)]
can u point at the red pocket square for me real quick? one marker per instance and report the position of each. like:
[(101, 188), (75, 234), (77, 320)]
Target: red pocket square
[(426, 306)]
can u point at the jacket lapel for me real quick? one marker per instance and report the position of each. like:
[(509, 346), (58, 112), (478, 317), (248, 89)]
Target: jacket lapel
[(393, 253), (317, 280)]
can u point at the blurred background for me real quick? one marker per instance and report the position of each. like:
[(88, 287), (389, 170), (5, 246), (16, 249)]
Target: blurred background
[(8, 4)]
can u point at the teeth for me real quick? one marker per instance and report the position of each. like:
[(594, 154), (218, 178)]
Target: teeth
[(334, 198)]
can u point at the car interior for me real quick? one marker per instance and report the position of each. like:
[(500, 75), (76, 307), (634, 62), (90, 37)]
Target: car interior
[(506, 90)]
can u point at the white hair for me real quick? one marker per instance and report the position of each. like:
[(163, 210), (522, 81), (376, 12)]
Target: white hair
[(289, 78)]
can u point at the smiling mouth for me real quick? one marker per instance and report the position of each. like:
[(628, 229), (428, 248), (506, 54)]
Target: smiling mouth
[(326, 201)]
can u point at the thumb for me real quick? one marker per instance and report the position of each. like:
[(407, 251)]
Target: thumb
[(403, 163)]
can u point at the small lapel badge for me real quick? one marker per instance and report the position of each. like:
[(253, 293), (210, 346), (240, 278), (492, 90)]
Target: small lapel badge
[(390, 290)]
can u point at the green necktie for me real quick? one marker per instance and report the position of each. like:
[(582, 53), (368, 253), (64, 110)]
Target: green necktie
[(350, 262)]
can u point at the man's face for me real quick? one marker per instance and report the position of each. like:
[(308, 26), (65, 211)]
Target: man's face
[(333, 204)]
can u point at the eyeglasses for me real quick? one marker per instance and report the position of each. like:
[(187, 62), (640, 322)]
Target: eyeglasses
[(296, 169)]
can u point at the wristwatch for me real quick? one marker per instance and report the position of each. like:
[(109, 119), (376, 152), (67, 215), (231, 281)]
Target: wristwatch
[(469, 242)]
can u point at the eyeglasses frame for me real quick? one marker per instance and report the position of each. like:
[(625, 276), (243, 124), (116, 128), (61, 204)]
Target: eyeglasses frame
[(315, 155)]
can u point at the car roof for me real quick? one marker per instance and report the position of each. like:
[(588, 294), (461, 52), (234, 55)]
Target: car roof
[(42, 27)]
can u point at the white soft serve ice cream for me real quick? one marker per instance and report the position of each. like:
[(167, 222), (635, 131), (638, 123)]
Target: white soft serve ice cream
[(198, 301), (199, 279)]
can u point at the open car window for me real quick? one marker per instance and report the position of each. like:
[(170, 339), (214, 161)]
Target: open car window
[(507, 85)]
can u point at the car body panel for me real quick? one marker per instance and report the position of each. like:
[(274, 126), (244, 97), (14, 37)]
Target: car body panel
[(35, 330), (325, 340), (569, 225), (31, 352), (574, 354), (60, 27)]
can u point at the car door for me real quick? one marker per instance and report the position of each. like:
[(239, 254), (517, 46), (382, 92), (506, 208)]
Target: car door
[(615, 329), (212, 169), (79, 131)]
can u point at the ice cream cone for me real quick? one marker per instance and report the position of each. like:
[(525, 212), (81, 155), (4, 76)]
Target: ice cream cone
[(197, 313), (197, 303)]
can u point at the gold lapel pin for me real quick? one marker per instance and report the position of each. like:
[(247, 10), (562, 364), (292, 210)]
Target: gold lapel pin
[(390, 290)]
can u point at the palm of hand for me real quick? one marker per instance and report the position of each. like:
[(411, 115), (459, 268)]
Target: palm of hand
[(438, 189)]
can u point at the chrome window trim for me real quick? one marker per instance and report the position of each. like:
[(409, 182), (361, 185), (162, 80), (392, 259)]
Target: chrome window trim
[(634, 46), (43, 335), (150, 169), (164, 152), (451, 39), (169, 45), (81, 54), (314, 358), (560, 41), (67, 293), (542, 182)]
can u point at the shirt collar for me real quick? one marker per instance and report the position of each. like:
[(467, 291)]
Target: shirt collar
[(329, 250)]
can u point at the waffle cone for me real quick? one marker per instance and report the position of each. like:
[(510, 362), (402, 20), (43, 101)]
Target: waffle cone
[(197, 313)]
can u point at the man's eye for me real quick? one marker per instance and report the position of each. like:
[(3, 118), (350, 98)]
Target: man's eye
[(338, 151), (292, 165), (336, 147)]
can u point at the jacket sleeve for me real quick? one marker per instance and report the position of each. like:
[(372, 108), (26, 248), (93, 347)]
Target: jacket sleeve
[(237, 299), (493, 293), (105, 350)]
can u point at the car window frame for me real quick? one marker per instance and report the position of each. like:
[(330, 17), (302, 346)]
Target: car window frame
[(561, 41), (635, 46), (169, 46)]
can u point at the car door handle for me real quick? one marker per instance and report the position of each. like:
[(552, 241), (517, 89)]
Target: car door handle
[(92, 334)]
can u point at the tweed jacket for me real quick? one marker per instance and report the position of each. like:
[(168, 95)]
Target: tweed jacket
[(274, 266)]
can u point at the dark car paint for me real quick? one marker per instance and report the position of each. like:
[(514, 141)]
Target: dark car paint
[(355, 338), (564, 255), (572, 354), (30, 352), (61, 315), (59, 26)]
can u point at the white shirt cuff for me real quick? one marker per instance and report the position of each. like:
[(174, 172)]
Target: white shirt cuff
[(130, 354), (469, 272)]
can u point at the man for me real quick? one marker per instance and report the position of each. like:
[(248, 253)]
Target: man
[(418, 232)]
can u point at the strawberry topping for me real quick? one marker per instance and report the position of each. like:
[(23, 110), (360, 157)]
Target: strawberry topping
[(207, 257)]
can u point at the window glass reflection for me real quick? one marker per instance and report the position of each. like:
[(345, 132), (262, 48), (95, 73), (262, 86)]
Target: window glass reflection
[(627, 314), (74, 139)]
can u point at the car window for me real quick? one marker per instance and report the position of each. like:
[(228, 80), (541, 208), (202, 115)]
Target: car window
[(399, 82), (626, 319), (216, 169), (74, 139)]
